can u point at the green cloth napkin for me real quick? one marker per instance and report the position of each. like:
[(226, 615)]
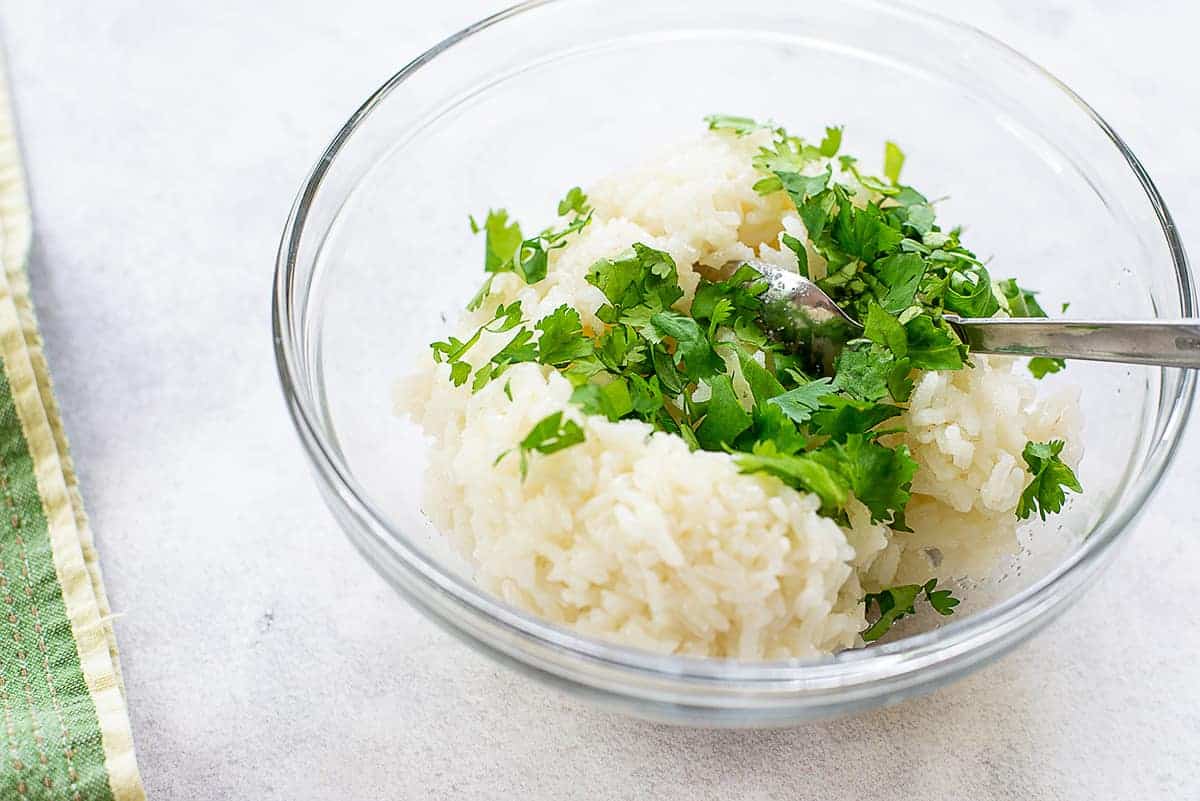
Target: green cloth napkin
[(64, 730)]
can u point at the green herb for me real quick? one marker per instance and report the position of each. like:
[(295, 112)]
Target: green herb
[(453, 350), (799, 404), (738, 125), (1041, 366), (802, 471), (725, 418), (1050, 475), (612, 400), (506, 250), (899, 602), (687, 372), (549, 435), (1023, 303), (893, 162), (562, 339)]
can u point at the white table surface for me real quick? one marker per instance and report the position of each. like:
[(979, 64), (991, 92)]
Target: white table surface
[(265, 660)]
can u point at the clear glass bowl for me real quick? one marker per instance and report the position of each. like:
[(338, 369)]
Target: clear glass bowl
[(515, 109)]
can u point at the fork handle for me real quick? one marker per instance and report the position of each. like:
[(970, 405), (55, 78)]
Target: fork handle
[(1167, 343)]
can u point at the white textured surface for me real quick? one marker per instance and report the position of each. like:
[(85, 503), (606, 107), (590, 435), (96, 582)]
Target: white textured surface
[(265, 660)]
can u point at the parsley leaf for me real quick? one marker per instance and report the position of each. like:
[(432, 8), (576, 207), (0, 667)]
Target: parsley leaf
[(1050, 475)]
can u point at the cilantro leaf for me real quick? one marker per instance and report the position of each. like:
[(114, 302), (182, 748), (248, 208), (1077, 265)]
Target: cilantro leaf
[(901, 275), (832, 142), (611, 400), (895, 603), (693, 352), (970, 293), (886, 330), (862, 371), (502, 238), (840, 416), (549, 435), (942, 601), (1050, 475), (763, 385), (1021, 302), (518, 349), (1041, 366), (800, 403), (726, 418), (815, 213), (796, 246), (893, 162), (453, 349), (574, 201), (642, 276), (771, 428), (880, 477), (738, 125), (864, 233), (931, 347), (799, 471), (506, 251), (562, 338)]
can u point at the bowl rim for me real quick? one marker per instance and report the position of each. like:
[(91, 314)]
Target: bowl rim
[(946, 650)]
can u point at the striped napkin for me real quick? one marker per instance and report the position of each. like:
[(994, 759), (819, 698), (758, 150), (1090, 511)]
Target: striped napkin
[(64, 731)]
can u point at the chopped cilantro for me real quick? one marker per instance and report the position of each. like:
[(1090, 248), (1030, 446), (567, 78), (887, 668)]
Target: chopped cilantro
[(693, 350), (738, 125), (725, 419), (611, 400), (895, 603), (507, 251), (562, 338), (802, 471), (1041, 366), (549, 435), (832, 142), (708, 373), (893, 162), (840, 416), (1050, 475), (799, 404)]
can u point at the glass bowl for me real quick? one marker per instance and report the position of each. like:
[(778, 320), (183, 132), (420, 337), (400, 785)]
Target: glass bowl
[(510, 112)]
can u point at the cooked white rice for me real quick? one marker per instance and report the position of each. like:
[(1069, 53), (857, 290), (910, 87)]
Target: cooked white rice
[(630, 537)]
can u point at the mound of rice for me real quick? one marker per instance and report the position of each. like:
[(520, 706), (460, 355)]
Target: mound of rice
[(631, 537)]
